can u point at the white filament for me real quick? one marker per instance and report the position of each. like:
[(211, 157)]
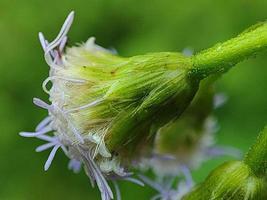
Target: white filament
[(94, 103), (43, 123), (117, 190), (60, 122), (45, 146), (51, 78), (34, 134), (59, 41), (51, 157)]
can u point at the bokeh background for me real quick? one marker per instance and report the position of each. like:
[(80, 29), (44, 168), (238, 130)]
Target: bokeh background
[(132, 27)]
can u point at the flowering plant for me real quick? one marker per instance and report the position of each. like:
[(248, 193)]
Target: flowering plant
[(112, 114)]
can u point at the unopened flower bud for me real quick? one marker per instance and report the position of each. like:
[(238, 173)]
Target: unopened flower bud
[(103, 107), (237, 180)]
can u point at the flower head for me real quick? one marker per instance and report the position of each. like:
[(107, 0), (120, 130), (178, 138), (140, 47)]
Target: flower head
[(102, 105), (105, 110), (72, 93)]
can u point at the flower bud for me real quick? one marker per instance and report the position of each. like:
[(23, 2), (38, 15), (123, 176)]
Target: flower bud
[(232, 180), (237, 180), (105, 108)]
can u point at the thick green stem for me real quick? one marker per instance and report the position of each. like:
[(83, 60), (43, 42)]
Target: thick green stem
[(256, 157), (223, 56)]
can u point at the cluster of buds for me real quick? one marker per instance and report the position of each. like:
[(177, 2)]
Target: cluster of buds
[(107, 111)]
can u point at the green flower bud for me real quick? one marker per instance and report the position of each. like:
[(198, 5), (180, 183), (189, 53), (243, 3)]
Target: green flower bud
[(102, 105), (237, 180), (104, 108)]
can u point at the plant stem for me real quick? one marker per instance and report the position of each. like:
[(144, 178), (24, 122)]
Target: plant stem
[(223, 56)]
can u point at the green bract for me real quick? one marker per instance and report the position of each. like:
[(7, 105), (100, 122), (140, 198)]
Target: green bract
[(183, 136), (185, 141)]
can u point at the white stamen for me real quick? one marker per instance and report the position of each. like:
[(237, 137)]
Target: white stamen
[(34, 134), (94, 103), (62, 33), (134, 180), (49, 60), (56, 60), (42, 40), (219, 100), (44, 147), (44, 44), (57, 41), (93, 169), (188, 176), (51, 157), (117, 190), (63, 43), (64, 149), (74, 165), (127, 174), (151, 183), (41, 103), (165, 189), (47, 138), (43, 123), (224, 151)]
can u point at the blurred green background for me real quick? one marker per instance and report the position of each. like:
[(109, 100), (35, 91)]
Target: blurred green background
[(132, 27)]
